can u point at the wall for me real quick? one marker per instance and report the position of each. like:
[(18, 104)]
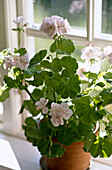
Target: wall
[(2, 26)]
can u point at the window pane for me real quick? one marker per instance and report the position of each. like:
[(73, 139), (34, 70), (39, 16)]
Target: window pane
[(73, 10), (103, 19), (107, 16)]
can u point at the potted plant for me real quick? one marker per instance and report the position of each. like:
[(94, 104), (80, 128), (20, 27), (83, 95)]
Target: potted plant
[(66, 102)]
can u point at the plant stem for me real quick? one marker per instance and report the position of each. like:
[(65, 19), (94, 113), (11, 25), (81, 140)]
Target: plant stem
[(19, 39), (30, 95), (57, 48), (99, 130), (54, 95)]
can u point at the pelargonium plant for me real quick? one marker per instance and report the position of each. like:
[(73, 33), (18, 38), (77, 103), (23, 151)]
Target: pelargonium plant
[(66, 102)]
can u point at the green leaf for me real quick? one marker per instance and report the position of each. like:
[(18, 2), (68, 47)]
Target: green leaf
[(37, 58), (9, 81), (107, 147), (32, 132), (29, 121), (43, 146), (56, 150), (89, 141), (69, 88), (30, 106), (63, 46), (101, 84), (38, 79), (66, 136), (32, 140), (54, 46), (56, 65), (21, 51), (46, 64), (91, 75), (4, 95), (96, 148), (37, 94), (51, 82), (85, 110), (108, 75), (83, 129), (106, 96), (103, 112), (70, 64), (44, 129)]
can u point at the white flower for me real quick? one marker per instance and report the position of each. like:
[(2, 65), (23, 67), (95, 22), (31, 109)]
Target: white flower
[(15, 59), (55, 25), (65, 111), (80, 72), (41, 105), (57, 118), (60, 112), (20, 22), (89, 53), (24, 61), (8, 62), (107, 53)]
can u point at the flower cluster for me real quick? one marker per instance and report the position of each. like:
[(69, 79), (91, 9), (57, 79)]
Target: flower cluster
[(15, 60), (58, 112), (20, 22), (107, 52), (55, 25), (89, 53), (41, 105)]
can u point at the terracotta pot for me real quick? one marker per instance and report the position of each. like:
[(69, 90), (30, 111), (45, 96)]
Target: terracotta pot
[(74, 158)]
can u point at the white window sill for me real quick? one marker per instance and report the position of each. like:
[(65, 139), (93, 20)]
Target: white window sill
[(28, 156)]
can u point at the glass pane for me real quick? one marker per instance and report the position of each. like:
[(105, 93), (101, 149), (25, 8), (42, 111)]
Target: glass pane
[(73, 10), (103, 19), (107, 16)]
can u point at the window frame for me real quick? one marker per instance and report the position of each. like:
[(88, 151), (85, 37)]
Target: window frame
[(89, 40)]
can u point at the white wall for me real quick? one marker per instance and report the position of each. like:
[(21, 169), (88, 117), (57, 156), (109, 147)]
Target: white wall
[(2, 27)]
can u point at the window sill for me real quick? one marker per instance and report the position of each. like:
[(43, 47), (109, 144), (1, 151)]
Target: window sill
[(28, 156)]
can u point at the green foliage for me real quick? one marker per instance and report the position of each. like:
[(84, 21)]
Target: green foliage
[(70, 64), (66, 136), (89, 141), (63, 46), (56, 150), (37, 94), (69, 88), (4, 95), (44, 129), (43, 145), (21, 51), (38, 57), (30, 106), (55, 79), (107, 96)]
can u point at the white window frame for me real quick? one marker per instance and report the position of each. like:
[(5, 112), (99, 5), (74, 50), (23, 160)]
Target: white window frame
[(11, 119)]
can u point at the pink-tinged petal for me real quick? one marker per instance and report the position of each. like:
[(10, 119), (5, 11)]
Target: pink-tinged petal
[(45, 110)]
